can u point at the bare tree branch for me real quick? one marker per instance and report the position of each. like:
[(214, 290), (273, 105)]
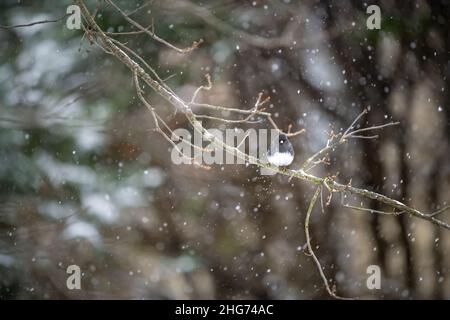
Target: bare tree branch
[(330, 291), (153, 34), (34, 23)]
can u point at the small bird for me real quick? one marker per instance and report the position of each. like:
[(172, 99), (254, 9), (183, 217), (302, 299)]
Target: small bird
[(281, 152)]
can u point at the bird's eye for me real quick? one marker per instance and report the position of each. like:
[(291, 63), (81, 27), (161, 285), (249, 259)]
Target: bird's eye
[(281, 141)]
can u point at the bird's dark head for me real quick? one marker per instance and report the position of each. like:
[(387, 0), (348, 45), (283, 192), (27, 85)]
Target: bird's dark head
[(282, 138)]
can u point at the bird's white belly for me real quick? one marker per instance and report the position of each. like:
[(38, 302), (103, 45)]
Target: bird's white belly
[(280, 159)]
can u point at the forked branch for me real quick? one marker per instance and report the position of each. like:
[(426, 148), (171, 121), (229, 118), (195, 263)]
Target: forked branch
[(330, 290)]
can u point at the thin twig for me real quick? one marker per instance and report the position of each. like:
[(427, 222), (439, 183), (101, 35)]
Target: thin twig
[(251, 112), (311, 251), (438, 212), (367, 209), (34, 23), (336, 140), (355, 121), (143, 62), (372, 128), (285, 40), (152, 34)]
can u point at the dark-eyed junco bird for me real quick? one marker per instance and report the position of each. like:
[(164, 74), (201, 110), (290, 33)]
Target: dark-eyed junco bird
[(281, 152)]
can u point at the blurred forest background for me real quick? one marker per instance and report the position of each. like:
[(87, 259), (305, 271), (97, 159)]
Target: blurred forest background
[(84, 180)]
